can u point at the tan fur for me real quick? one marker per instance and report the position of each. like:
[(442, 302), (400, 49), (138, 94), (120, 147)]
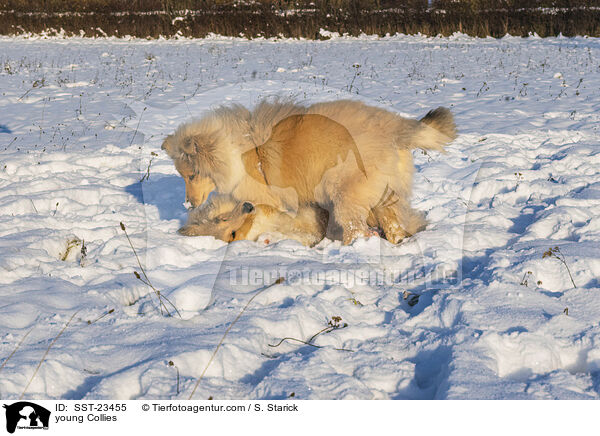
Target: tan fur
[(351, 159), (229, 220)]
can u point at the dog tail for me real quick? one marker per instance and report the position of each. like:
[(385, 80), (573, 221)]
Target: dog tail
[(437, 128)]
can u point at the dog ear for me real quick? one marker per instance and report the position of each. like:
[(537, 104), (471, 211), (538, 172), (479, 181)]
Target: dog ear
[(167, 144), (193, 144), (190, 145)]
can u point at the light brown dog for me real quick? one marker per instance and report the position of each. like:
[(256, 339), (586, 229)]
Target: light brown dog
[(229, 220), (348, 158)]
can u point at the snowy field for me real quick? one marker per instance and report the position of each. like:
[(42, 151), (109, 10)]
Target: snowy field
[(470, 308)]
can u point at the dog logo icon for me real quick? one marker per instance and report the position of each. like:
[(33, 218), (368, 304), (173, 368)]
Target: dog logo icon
[(26, 415)]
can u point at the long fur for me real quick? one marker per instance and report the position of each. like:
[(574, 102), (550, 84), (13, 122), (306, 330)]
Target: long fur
[(279, 154), (229, 220)]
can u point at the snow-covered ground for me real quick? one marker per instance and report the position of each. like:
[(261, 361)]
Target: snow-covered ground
[(489, 316)]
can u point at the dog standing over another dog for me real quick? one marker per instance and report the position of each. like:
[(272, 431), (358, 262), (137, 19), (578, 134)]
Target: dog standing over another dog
[(350, 159)]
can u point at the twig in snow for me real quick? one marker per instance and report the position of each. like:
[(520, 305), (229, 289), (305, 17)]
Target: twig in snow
[(35, 84), (519, 178), (187, 107), (556, 253), (147, 281), (72, 243), (484, 88), (171, 363), (138, 126), (46, 354), (11, 143), (34, 208), (147, 175), (525, 279), (101, 316), (356, 74), (16, 349), (333, 324), (276, 282), (83, 252)]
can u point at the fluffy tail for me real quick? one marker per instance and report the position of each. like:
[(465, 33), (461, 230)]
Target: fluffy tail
[(441, 119), (437, 128)]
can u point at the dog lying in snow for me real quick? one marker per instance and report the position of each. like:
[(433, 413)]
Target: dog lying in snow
[(229, 220), (350, 159)]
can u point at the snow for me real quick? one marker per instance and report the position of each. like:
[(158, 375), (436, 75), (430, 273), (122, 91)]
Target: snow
[(489, 315)]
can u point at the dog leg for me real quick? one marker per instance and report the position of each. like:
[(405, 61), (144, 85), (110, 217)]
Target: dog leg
[(387, 221), (396, 218), (352, 218), (387, 215), (399, 221)]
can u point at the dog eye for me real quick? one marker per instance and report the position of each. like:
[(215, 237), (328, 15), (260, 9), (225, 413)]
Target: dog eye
[(190, 178), (247, 207), (233, 235)]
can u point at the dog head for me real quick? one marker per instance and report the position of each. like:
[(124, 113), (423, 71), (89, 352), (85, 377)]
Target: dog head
[(207, 151), (222, 217), (196, 160)]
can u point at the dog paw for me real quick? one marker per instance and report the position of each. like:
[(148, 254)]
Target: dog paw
[(351, 236), (187, 231)]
